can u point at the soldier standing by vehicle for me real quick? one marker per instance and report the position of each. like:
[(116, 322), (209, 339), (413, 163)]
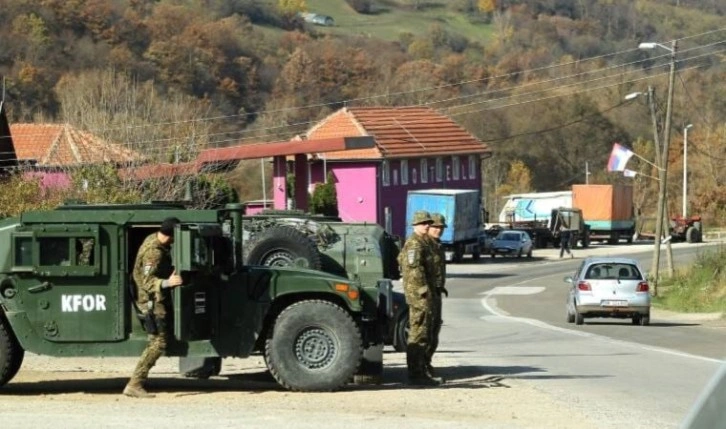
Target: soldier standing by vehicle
[(154, 277), (436, 229), (418, 282)]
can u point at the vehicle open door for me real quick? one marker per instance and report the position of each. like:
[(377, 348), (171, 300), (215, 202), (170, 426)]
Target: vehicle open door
[(195, 303)]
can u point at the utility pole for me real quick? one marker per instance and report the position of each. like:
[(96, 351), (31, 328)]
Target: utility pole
[(663, 170)]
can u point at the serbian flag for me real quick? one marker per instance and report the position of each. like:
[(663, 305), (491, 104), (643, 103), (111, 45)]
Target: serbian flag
[(629, 173), (619, 158)]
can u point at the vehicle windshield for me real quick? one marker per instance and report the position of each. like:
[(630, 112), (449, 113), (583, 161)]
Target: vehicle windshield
[(613, 271), (509, 236)]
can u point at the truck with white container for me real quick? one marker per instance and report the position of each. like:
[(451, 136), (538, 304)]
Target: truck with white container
[(607, 211), (462, 210)]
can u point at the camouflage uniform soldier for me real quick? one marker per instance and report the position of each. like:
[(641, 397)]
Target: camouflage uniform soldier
[(418, 282), (154, 277), (436, 229)]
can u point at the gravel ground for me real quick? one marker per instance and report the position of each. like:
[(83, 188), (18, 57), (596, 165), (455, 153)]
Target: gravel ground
[(83, 392)]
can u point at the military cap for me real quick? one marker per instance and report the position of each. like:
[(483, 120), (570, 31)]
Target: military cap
[(439, 220), (421, 216), (167, 226)]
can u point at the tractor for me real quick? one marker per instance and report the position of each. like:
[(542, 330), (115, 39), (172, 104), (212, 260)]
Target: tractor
[(689, 229)]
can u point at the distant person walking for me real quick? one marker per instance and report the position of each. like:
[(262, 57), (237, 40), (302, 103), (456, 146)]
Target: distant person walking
[(565, 237)]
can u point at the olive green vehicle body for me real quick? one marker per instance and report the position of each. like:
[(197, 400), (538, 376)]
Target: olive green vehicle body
[(58, 303)]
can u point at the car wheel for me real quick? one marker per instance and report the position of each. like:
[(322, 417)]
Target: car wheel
[(570, 316), (529, 254), (283, 246), (636, 319), (644, 320), (579, 318)]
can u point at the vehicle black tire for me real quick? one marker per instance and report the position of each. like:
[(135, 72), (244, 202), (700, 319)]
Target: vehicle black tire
[(475, 255), (636, 319), (400, 337), (11, 353), (693, 235), (283, 246), (644, 320), (529, 254), (614, 238), (570, 316), (586, 241), (315, 346), (519, 254), (579, 318)]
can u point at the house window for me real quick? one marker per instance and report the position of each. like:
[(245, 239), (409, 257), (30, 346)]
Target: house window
[(439, 169), (395, 177), (414, 177), (456, 164), (386, 173), (472, 166), (424, 170), (404, 172)]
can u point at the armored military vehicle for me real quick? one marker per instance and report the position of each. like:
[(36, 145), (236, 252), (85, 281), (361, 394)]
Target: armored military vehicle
[(65, 291), (295, 238)]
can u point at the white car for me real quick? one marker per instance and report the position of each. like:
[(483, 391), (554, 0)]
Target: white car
[(512, 243), (608, 287)]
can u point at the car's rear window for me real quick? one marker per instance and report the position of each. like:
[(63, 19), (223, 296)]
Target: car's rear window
[(510, 237), (613, 271)]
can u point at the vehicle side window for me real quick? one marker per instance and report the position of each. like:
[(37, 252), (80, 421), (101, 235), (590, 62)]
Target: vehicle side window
[(53, 251), (594, 272), (23, 250)]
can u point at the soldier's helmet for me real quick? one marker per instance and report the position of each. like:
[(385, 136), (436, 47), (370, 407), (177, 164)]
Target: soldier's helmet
[(439, 220), (421, 216)]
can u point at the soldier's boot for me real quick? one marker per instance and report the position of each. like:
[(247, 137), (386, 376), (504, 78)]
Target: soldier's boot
[(135, 389), (425, 380)]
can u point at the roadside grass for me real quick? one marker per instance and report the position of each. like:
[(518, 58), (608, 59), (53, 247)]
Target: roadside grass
[(699, 288)]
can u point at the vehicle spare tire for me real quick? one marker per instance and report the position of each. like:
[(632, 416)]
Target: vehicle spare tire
[(283, 246)]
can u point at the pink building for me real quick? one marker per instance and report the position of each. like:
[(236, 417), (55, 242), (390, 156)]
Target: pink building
[(415, 148)]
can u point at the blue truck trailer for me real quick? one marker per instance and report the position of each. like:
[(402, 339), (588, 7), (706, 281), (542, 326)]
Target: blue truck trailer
[(462, 209)]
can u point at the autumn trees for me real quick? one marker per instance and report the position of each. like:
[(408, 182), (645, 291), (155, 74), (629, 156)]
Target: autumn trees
[(541, 82)]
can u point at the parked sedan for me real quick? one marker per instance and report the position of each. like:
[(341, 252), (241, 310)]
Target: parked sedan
[(608, 287), (513, 243)]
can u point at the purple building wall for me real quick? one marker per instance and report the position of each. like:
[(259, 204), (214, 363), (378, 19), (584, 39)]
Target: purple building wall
[(356, 188), (393, 197), (363, 195)]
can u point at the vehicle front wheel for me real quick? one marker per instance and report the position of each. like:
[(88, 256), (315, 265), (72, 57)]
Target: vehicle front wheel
[(11, 353), (315, 346)]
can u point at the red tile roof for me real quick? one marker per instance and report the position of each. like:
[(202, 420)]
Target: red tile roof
[(399, 132), (63, 145), (264, 150)]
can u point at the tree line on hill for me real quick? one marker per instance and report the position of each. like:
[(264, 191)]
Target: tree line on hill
[(544, 88)]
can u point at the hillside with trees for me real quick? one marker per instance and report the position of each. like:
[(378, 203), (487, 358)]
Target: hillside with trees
[(542, 82)]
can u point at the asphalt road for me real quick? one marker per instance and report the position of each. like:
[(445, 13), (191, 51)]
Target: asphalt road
[(510, 360), (510, 313)]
